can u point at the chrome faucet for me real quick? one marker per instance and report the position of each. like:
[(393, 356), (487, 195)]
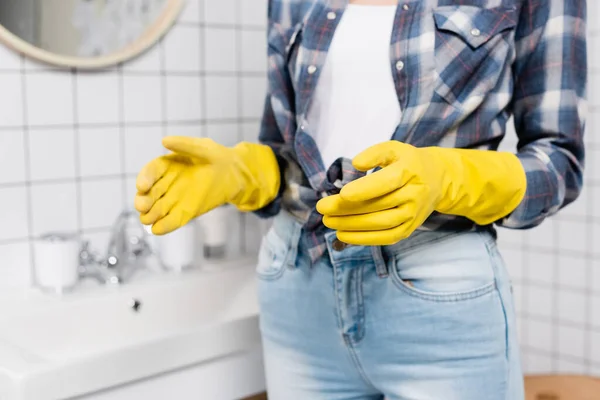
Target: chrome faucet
[(92, 265), (128, 249), (128, 246)]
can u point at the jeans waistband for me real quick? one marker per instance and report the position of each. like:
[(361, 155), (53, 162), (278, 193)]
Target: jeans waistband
[(291, 231)]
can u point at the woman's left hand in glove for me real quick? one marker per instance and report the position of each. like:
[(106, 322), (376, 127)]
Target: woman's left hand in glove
[(389, 205)]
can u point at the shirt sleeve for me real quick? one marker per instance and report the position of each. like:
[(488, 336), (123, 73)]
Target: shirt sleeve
[(549, 106), (270, 135), (277, 110)]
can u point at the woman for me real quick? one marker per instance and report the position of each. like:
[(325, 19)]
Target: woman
[(381, 276)]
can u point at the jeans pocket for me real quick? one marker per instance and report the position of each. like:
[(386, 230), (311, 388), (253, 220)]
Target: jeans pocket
[(273, 256), (458, 267)]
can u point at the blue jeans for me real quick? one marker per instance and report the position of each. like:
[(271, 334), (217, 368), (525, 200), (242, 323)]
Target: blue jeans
[(430, 318)]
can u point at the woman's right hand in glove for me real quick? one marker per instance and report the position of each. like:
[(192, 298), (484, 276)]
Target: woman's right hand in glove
[(200, 175)]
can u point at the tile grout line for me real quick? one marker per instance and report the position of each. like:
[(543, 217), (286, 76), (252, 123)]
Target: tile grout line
[(242, 220), (182, 73), (555, 339), (203, 98), (589, 232), (133, 124), (77, 156), (54, 181), (524, 291), (561, 323), (164, 123), (202, 73), (27, 156), (566, 357), (122, 139)]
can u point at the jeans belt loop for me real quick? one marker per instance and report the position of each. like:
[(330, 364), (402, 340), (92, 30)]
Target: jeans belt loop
[(295, 240), (380, 264)]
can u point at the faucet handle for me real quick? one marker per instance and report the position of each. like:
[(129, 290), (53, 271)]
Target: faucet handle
[(129, 243), (93, 266), (87, 256)]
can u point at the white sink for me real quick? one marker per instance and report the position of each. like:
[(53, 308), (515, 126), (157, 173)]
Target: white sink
[(60, 347)]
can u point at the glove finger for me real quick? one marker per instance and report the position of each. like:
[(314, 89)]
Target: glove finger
[(177, 218), (182, 213), (375, 185), (384, 237), (204, 149), (182, 202), (152, 172), (337, 206), (163, 205), (143, 202), (375, 221), (412, 211), (379, 155)]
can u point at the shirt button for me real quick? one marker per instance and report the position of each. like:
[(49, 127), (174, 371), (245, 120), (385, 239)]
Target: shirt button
[(475, 32), (338, 245), (331, 15), (399, 65), (312, 69), (405, 7)]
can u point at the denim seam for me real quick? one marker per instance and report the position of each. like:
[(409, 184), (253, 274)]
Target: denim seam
[(439, 297), (271, 277), (346, 338), (338, 308), (356, 361), (380, 265), (492, 250), (289, 257), (489, 240), (275, 275), (411, 249), (360, 306), (351, 259)]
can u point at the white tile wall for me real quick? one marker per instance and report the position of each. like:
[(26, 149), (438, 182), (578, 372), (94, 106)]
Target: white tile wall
[(11, 101), (99, 150), (71, 143), (97, 98), (49, 98), (142, 99), (12, 156), (223, 11), (183, 98), (57, 163), (556, 267), (220, 45), (182, 50)]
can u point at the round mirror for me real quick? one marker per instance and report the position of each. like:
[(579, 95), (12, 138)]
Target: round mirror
[(85, 33)]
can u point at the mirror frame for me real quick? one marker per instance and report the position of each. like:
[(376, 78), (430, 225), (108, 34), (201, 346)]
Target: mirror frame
[(154, 32)]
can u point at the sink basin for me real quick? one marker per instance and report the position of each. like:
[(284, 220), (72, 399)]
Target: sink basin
[(59, 347)]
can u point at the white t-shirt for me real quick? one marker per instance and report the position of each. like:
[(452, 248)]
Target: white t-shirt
[(355, 104)]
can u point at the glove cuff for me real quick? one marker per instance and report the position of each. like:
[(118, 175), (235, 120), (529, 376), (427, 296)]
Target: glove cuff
[(482, 185), (258, 174)]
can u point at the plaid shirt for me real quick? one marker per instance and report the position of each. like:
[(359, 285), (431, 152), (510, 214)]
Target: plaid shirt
[(461, 69)]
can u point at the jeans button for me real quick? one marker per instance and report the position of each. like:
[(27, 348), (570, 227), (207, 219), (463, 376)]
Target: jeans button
[(338, 245)]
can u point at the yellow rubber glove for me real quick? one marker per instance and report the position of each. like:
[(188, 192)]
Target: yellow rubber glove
[(387, 206), (201, 175)]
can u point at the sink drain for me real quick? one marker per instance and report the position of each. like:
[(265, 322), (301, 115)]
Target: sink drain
[(135, 305)]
